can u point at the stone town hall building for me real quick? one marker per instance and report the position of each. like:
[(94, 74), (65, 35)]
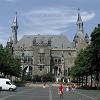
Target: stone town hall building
[(41, 54)]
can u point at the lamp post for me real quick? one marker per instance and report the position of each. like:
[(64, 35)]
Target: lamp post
[(22, 61), (22, 66), (63, 67)]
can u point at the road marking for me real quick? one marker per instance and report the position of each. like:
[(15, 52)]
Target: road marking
[(3, 98), (87, 96), (50, 93)]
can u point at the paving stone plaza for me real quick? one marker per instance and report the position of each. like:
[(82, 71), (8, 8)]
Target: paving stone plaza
[(48, 93)]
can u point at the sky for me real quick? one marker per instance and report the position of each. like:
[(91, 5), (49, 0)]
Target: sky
[(47, 17)]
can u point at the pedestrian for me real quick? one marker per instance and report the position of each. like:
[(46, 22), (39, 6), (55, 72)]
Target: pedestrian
[(44, 85), (60, 90), (67, 88), (73, 88)]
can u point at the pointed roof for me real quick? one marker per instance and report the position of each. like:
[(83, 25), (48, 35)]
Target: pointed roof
[(15, 23), (86, 35), (80, 30), (79, 16)]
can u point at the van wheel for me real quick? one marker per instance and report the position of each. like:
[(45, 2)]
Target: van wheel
[(10, 89), (0, 88)]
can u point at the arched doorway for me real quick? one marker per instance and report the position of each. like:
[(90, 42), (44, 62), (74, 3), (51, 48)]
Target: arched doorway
[(27, 70), (55, 70)]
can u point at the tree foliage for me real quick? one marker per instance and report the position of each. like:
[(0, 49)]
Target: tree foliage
[(82, 63), (88, 59), (95, 42), (8, 64)]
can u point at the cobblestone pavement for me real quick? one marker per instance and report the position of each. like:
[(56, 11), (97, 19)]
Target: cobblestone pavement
[(48, 93)]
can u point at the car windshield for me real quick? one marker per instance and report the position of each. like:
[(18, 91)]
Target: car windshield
[(8, 82)]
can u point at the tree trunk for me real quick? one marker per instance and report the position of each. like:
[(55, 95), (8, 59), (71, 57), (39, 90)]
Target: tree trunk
[(91, 80), (82, 81), (97, 80), (79, 81), (86, 81)]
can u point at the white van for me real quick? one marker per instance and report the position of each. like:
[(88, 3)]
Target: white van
[(5, 84)]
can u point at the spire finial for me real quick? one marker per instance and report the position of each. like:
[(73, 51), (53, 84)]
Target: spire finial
[(16, 13), (78, 9), (79, 17)]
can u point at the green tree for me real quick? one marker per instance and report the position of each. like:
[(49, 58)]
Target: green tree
[(82, 65), (8, 64), (2, 60), (95, 60), (88, 60)]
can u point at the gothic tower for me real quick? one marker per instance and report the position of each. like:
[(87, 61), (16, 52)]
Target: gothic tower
[(79, 39), (80, 30), (14, 27)]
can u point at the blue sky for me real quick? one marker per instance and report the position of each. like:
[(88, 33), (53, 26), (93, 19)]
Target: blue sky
[(47, 17)]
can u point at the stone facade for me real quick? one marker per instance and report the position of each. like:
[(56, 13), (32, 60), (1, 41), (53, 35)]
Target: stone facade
[(41, 54)]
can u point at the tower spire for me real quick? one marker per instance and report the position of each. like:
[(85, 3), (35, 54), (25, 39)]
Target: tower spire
[(14, 27), (79, 17), (79, 24)]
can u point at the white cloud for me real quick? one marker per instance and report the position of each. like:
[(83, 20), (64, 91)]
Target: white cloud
[(3, 38), (46, 21), (3, 35), (52, 20), (10, 0), (2, 41), (86, 16)]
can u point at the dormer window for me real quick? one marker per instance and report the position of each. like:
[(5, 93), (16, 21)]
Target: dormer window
[(49, 42), (34, 41)]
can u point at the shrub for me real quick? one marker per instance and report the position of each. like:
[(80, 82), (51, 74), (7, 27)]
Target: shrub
[(27, 78), (36, 78), (44, 78), (19, 83)]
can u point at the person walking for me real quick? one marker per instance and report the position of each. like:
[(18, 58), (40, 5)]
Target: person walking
[(44, 85), (67, 88), (60, 90)]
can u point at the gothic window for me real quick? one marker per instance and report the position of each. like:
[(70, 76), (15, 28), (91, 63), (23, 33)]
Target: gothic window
[(25, 59), (55, 70), (59, 70), (34, 41), (41, 58), (59, 61), (30, 70), (22, 54), (68, 71), (69, 53), (62, 60), (41, 67), (31, 60), (41, 42), (49, 42), (55, 61)]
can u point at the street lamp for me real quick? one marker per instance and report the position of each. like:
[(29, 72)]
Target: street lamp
[(63, 68)]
